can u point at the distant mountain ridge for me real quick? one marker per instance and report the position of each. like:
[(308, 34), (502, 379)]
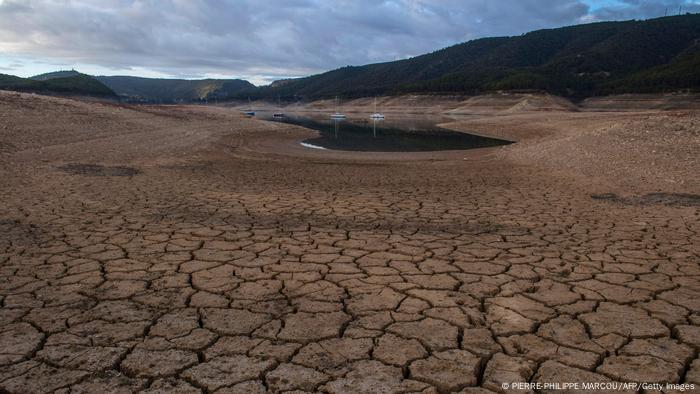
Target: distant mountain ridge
[(155, 90), (656, 55), (127, 88), (68, 83)]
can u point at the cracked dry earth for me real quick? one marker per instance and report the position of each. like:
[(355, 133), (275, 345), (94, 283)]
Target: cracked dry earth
[(223, 269)]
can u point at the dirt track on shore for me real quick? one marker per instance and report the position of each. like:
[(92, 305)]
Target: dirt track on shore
[(187, 248)]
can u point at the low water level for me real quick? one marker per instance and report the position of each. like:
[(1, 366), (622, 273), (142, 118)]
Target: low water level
[(397, 134)]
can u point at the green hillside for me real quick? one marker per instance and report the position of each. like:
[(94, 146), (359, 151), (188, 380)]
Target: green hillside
[(55, 74), (173, 90), (74, 84), (654, 55)]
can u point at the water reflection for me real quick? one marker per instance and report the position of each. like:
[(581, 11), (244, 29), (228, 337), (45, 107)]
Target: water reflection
[(408, 134), (336, 126), (374, 126)]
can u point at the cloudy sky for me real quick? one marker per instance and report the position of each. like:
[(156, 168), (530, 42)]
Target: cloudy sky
[(264, 40)]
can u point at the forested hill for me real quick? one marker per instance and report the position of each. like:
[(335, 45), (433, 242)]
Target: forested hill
[(68, 83), (155, 90), (655, 55)]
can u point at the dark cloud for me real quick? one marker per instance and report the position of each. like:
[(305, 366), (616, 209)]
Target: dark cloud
[(271, 38)]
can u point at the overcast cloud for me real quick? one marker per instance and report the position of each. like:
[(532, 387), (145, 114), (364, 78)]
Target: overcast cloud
[(263, 40)]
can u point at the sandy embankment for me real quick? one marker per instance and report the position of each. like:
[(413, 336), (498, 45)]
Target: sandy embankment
[(637, 143), (637, 152)]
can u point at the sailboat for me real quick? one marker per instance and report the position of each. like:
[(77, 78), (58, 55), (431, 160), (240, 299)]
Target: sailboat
[(279, 114), (249, 112), (376, 115), (337, 115)]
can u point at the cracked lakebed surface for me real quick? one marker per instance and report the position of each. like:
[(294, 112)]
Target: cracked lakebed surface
[(181, 250)]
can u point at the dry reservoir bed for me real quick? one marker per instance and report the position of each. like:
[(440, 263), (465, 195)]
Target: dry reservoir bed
[(187, 249)]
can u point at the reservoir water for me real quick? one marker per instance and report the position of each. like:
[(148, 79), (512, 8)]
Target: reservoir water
[(395, 134)]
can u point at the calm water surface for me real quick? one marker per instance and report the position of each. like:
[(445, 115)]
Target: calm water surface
[(394, 134)]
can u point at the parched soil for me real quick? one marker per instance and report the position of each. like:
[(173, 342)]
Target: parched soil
[(189, 249)]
